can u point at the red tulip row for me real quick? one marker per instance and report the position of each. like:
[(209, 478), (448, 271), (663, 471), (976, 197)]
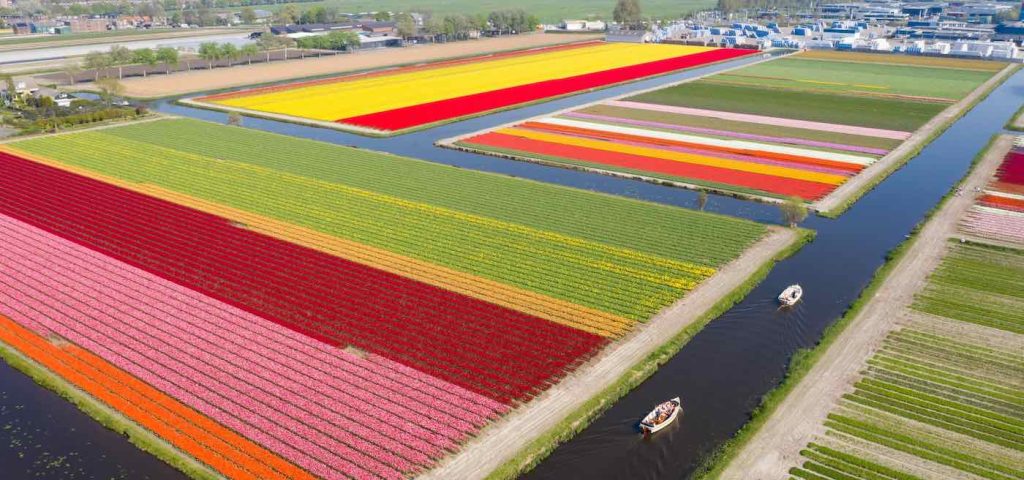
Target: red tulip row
[(442, 110), (497, 352)]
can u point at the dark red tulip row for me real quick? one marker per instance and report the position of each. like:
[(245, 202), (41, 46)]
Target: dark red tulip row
[(500, 353)]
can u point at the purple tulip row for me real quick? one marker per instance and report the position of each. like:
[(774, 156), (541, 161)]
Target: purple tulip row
[(282, 389)]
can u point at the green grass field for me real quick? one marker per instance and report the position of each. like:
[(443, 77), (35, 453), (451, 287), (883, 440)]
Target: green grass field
[(618, 255), (943, 400), (873, 112), (891, 79), (548, 12)]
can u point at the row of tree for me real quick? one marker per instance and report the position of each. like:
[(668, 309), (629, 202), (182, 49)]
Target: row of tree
[(120, 57), (212, 52), (338, 40)]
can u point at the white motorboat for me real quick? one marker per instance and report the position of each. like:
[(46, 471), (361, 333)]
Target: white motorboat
[(791, 295), (662, 416)]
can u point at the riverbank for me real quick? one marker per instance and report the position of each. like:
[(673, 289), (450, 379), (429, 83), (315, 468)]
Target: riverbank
[(158, 86), (775, 447), (523, 438)]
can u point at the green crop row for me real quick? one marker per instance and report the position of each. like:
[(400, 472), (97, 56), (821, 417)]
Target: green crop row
[(989, 368), (840, 76), (961, 351), (919, 448), (971, 428), (884, 113), (947, 392), (863, 464), (656, 229), (943, 377)]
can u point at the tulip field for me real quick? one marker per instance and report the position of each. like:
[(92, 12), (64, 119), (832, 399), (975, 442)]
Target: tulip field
[(392, 101), (999, 212), (794, 127), (942, 396), (284, 308)]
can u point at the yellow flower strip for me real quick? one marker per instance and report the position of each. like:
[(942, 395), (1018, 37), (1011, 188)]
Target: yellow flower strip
[(552, 309), (577, 243), (330, 102), (737, 165)]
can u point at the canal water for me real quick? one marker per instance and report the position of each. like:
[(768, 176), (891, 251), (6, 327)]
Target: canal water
[(721, 374)]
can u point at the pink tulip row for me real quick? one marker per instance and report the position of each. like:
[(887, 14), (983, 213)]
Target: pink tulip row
[(173, 337), (1009, 227), (313, 356)]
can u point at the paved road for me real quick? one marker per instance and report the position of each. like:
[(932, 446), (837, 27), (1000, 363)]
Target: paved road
[(50, 53)]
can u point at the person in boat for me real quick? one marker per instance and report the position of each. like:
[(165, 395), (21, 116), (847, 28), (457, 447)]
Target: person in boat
[(664, 411)]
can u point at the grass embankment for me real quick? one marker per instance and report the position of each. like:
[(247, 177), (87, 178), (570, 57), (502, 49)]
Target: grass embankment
[(543, 446), (106, 416), (804, 359), (1017, 122)]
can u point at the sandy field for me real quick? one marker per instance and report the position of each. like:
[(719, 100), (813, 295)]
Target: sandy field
[(800, 417), (203, 80)]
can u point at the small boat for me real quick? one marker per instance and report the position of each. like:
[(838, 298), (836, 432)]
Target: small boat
[(791, 295), (662, 416)]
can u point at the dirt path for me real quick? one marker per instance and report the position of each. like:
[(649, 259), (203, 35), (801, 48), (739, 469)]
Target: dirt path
[(203, 80), (501, 441), (899, 155), (776, 446)]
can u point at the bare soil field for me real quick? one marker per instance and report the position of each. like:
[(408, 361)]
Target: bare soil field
[(800, 417), (199, 81)]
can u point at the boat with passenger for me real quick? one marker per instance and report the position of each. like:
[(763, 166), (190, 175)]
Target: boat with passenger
[(791, 295), (662, 416)]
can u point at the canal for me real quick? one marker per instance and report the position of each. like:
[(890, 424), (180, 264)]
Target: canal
[(721, 373)]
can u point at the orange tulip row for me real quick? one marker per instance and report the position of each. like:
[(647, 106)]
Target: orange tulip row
[(223, 450)]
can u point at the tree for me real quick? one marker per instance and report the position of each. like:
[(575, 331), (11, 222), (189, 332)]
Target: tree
[(71, 69), (794, 211), (382, 16), (97, 61), (249, 50), (210, 52), (229, 51), (167, 56), (234, 119), (109, 89), (288, 14), (145, 57), (702, 200), (627, 12), (248, 15), (405, 25), (119, 57)]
